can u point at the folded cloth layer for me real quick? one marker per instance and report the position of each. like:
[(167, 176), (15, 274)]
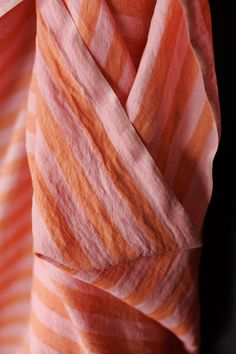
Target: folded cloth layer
[(109, 125)]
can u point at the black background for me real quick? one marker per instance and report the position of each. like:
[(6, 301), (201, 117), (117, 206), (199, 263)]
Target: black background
[(218, 263)]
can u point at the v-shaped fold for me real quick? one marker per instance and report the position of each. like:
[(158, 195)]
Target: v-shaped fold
[(163, 223)]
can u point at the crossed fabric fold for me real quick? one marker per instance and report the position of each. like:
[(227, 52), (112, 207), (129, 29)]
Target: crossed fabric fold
[(121, 127)]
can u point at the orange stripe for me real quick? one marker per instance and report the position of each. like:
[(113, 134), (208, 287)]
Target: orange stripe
[(17, 214), (17, 136), (88, 17), (15, 299), (75, 176), (151, 280), (192, 155), (17, 276), (15, 258), (183, 91), (25, 345), (57, 224), (8, 119), (16, 236), (17, 319), (16, 84), (106, 306), (141, 10), (49, 299), (181, 289), (31, 159), (177, 295), (146, 115), (117, 172), (31, 122), (10, 340), (14, 166), (15, 192), (188, 321), (110, 276), (118, 55), (52, 339)]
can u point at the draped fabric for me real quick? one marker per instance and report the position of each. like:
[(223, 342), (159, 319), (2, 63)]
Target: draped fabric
[(109, 123)]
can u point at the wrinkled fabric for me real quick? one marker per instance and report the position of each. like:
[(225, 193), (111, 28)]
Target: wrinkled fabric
[(109, 123)]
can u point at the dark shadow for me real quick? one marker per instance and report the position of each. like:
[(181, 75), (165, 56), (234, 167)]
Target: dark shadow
[(218, 263)]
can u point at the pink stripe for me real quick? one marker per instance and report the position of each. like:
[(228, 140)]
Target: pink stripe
[(16, 309), (185, 128), (52, 320), (98, 323), (31, 105), (114, 327), (127, 78), (169, 91), (14, 102), (56, 277), (12, 330), (179, 314), (7, 5), (188, 342), (20, 288), (103, 35), (42, 272), (88, 276), (74, 8), (36, 346), (6, 134), (93, 167), (7, 209), (30, 142), (165, 287), (53, 277), (203, 47), (16, 150), (24, 263), (118, 127), (8, 183), (105, 30), (11, 230), (148, 59), (132, 277), (19, 246)]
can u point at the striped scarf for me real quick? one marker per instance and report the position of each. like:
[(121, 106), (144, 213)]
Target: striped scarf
[(109, 123)]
